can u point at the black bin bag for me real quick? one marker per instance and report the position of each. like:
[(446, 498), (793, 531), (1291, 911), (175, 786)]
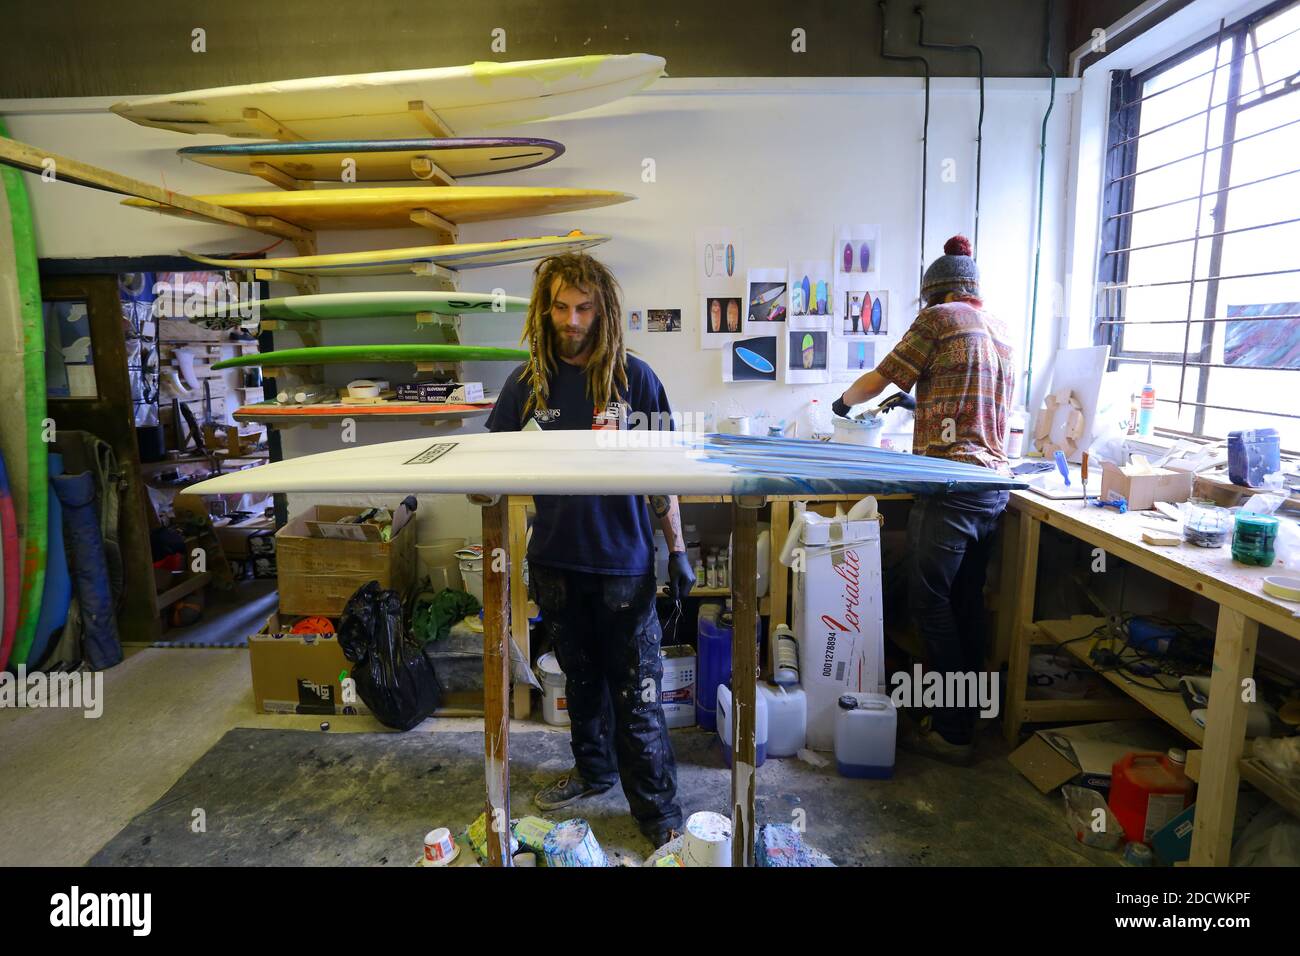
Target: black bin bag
[(392, 676)]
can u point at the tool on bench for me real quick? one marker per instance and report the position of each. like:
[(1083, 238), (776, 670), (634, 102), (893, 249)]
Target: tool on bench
[(1083, 478), (1063, 467), (1112, 500)]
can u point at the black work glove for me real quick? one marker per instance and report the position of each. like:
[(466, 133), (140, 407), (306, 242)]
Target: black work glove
[(839, 408), (680, 576), (898, 400)]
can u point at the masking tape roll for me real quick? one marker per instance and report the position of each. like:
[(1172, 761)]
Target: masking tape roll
[(1288, 589), (363, 388)]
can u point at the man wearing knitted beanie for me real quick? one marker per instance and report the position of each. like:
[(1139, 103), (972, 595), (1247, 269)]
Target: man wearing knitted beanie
[(958, 357)]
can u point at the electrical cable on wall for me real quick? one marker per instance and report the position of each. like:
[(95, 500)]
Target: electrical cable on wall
[(1038, 237), (979, 127), (925, 128)]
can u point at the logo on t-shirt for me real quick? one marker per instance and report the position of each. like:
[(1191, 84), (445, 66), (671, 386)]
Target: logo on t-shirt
[(545, 416)]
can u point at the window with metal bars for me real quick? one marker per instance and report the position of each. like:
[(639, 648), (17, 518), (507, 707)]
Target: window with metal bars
[(1199, 274)]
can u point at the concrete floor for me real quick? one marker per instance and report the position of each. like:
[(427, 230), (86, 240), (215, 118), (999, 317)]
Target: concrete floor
[(69, 784)]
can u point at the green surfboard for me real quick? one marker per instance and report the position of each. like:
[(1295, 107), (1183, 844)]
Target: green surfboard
[(365, 305), (22, 381), (339, 354)]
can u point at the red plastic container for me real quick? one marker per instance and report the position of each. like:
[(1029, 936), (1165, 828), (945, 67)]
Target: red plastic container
[(1147, 790)]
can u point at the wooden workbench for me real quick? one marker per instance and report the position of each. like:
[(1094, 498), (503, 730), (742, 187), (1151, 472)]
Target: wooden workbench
[(1211, 573)]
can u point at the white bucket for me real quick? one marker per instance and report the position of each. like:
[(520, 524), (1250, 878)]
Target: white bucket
[(707, 840), (853, 431), (437, 561), (734, 425), (555, 708)]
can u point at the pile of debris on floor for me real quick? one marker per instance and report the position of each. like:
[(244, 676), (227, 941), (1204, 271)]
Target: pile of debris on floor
[(705, 841)]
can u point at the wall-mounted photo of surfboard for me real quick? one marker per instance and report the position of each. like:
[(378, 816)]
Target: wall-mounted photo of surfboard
[(379, 105), (388, 262), (365, 305), (383, 160), (342, 354), (809, 294), (390, 207), (855, 253), (806, 358), (750, 360), (864, 313), (766, 296), (719, 256)]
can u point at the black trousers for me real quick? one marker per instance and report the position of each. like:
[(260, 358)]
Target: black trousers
[(606, 635), (949, 538)]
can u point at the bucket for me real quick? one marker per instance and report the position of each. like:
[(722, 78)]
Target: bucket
[(572, 843), (859, 431), (1252, 454), (555, 708), (707, 840), (437, 561)]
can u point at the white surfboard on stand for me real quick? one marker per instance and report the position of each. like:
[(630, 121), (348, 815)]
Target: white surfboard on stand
[(379, 105)]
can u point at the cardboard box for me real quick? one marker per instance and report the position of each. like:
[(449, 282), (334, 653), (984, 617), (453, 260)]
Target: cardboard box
[(1084, 754), (317, 575), (677, 689), (1144, 490), (299, 673), (1172, 843), (838, 621)]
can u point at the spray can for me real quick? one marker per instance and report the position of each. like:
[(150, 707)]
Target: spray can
[(1147, 413)]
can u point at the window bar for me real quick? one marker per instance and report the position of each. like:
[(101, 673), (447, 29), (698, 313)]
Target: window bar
[(1228, 408), (1226, 318), (1224, 145), (1142, 359), (1209, 235), (1191, 79), (1200, 205), (1243, 275), (1220, 215), (1212, 192)]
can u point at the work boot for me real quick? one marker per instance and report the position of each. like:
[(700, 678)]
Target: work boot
[(920, 737), (570, 788), (663, 836)]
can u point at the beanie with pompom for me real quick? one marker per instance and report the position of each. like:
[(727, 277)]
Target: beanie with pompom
[(954, 271)]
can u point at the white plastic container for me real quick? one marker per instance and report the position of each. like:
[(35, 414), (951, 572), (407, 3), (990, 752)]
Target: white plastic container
[(677, 689), (787, 719), (760, 725), (707, 840), (866, 726), (555, 707), (859, 431)]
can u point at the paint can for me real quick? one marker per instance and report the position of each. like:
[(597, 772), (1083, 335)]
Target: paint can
[(555, 706), (439, 848), (734, 425), (572, 843), (707, 840), (859, 431)]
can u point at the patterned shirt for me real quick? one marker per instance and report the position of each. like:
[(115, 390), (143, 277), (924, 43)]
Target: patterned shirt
[(957, 356)]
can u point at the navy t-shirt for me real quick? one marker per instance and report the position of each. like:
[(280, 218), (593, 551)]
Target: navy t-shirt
[(603, 534)]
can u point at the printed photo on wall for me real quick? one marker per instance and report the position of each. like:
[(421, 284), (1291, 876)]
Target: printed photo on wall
[(766, 296), (663, 320), (719, 320), (811, 305), (719, 265), (750, 360), (634, 320), (864, 313), (850, 358), (855, 251), (807, 356)]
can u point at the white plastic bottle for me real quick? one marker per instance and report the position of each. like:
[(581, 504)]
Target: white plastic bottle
[(820, 426)]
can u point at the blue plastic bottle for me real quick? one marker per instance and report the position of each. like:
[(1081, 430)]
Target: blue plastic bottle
[(713, 662)]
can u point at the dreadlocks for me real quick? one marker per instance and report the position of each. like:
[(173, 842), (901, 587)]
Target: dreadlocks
[(607, 369)]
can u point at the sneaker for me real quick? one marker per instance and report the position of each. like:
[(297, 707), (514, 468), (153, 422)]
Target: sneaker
[(570, 788), (921, 738)]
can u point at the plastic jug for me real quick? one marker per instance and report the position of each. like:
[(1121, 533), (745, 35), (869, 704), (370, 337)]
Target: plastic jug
[(713, 664), (723, 718), (1147, 790), (787, 719), (1252, 454), (866, 727)]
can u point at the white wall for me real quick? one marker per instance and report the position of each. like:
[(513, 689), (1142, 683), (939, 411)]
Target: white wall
[(784, 160)]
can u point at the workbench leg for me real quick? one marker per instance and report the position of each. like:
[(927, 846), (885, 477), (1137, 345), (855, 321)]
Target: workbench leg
[(1005, 611), (522, 703), (1225, 737), (496, 679), (778, 578), (1022, 621), (744, 677)]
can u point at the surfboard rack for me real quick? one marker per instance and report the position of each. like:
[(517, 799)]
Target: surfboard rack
[(428, 117), (306, 285), (308, 329), (444, 278), (445, 232), (269, 126), (278, 177), (424, 168)]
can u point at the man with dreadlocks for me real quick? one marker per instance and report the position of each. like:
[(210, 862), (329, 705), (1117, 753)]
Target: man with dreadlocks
[(592, 557)]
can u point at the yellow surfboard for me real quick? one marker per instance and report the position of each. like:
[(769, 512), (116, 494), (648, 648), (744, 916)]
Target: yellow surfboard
[(380, 262), (389, 207)]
